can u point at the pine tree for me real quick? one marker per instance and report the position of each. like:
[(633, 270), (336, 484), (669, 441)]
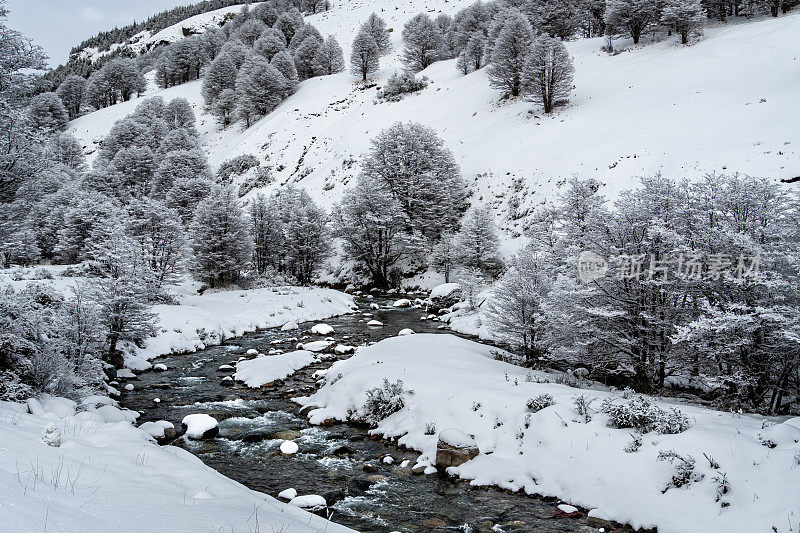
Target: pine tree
[(377, 28), (303, 33), (364, 55), (220, 238), (224, 107), (71, 91), (329, 58), (423, 43), (478, 244), (547, 77), (631, 17), (686, 17), (509, 53), (305, 238), (249, 31), (47, 114)]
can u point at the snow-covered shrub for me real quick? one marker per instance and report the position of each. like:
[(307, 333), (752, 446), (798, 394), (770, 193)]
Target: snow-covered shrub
[(430, 428), (383, 401), (644, 417), (723, 487), (400, 84), (540, 402), (51, 435), (583, 406), (634, 444), (236, 167), (684, 469)]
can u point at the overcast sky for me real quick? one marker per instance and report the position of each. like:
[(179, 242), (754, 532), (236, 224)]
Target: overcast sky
[(58, 25)]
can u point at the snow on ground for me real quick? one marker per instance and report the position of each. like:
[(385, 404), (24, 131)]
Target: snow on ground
[(207, 319), (115, 478), (267, 368), (726, 103), (457, 384)]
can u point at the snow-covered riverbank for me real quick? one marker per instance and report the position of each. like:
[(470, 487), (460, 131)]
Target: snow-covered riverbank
[(107, 475), (747, 482)]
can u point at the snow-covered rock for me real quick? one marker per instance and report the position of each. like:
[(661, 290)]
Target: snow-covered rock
[(455, 448), (315, 346), (159, 430), (404, 332), (309, 501), (200, 426), (322, 329), (445, 295), (289, 447), (159, 367), (403, 302), (375, 324), (290, 326), (252, 352), (125, 373), (51, 435), (341, 349), (567, 509), (287, 494), (129, 387)]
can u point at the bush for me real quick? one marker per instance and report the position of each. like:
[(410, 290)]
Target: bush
[(684, 469), (400, 84), (260, 177), (383, 401), (236, 167), (540, 402), (644, 417)]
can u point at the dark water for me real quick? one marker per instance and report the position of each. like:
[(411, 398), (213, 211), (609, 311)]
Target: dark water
[(338, 462)]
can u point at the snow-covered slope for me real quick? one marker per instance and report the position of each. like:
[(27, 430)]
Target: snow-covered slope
[(727, 103)]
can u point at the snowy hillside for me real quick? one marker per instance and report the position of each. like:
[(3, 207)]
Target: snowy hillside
[(724, 104)]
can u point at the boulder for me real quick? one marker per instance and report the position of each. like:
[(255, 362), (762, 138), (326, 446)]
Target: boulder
[(290, 326), (445, 295), (404, 332), (455, 448), (403, 302), (322, 329), (200, 426)]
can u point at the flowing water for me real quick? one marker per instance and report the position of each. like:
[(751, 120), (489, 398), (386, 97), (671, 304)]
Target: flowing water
[(338, 462)]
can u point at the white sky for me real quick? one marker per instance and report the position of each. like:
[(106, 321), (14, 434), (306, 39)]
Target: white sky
[(58, 25)]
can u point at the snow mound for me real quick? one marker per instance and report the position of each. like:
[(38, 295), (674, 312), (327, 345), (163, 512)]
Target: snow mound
[(375, 324), (287, 494), (310, 501), (268, 368), (290, 326), (457, 438), (289, 447), (156, 429), (316, 346), (406, 331), (444, 290), (403, 302)]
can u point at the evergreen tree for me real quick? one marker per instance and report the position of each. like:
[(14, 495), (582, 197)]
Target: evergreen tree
[(285, 65), (46, 113), (303, 33), (471, 57), (178, 114), (71, 91), (547, 77), (377, 28), (304, 57), (224, 107), (260, 87), (267, 230), (288, 23), (686, 17), (364, 55), (270, 43), (423, 43), (631, 17), (329, 58), (411, 161), (509, 53), (478, 244), (220, 75), (249, 31), (221, 239)]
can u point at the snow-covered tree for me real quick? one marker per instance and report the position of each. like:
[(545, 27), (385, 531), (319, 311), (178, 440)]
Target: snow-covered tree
[(423, 43), (285, 64), (373, 227), (65, 149), (179, 139), (249, 31), (220, 75), (178, 113), (47, 114), (260, 87), (266, 228), (364, 55), (270, 43), (178, 165), (547, 77), (305, 238), (304, 56), (288, 23), (420, 172), (478, 242), (186, 194), (630, 17), (158, 231), (444, 257), (71, 92), (515, 306), (556, 19), (509, 53), (224, 107), (329, 58), (686, 17), (220, 237), (471, 57), (84, 215), (124, 290), (303, 33), (376, 27)]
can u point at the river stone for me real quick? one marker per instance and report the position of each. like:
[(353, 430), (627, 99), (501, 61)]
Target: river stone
[(162, 386), (289, 434), (455, 448), (358, 486), (256, 436), (433, 523), (375, 478), (343, 451), (418, 469)]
